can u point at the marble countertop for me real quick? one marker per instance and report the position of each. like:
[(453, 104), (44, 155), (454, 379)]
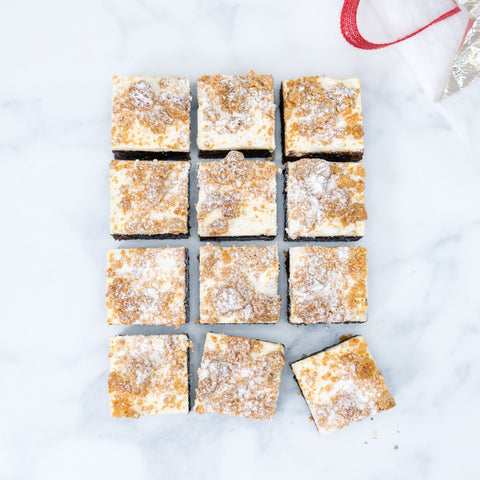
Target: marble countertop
[(422, 236)]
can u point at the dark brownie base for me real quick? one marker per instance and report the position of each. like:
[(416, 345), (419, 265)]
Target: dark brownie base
[(287, 268), (136, 155), (282, 122), (287, 273), (330, 156), (243, 323), (150, 237), (189, 378), (303, 396), (338, 238), (227, 239), (223, 153), (187, 286), (323, 323)]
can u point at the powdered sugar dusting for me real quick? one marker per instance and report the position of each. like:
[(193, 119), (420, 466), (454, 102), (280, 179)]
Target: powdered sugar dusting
[(230, 102), (239, 376), (239, 284), (328, 284), (320, 112), (151, 112), (146, 286), (324, 198), (342, 385), (236, 197), (148, 375), (149, 197)]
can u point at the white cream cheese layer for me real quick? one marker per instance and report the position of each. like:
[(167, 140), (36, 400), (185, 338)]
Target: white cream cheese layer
[(297, 144)]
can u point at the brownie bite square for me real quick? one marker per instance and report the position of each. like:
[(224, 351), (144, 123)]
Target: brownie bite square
[(236, 112), (239, 377), (327, 284), (236, 198), (148, 375), (322, 116), (239, 284), (147, 286), (342, 385), (148, 199), (325, 200), (150, 117)]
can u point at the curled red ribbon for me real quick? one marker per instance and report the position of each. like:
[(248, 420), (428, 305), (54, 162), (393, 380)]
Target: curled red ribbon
[(349, 27)]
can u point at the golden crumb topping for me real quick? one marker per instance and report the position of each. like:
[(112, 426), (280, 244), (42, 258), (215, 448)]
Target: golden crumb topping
[(328, 284), (235, 189), (151, 111), (146, 286), (313, 109), (231, 102), (342, 384), (148, 375), (239, 284), (324, 198), (239, 376), (149, 197)]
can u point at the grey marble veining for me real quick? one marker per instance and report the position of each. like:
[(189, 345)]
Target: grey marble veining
[(422, 237)]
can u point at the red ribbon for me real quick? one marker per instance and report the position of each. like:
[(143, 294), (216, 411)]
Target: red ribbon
[(349, 27)]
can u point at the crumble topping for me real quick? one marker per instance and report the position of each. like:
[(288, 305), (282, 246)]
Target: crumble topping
[(160, 106), (342, 385), (239, 376), (321, 110), (149, 197), (148, 375), (230, 102), (328, 284), (236, 197), (146, 286), (239, 284), (325, 198)]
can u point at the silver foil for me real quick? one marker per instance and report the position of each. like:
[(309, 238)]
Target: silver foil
[(466, 66)]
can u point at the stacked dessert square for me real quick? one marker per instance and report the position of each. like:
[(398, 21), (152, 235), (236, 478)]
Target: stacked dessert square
[(324, 183)]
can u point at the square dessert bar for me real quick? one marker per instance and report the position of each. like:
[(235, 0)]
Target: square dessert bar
[(148, 199), (236, 198), (239, 284), (236, 112), (327, 284), (239, 377), (325, 200), (322, 116), (148, 375), (151, 117), (342, 385), (147, 286)]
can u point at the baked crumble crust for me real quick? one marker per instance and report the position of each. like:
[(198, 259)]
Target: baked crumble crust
[(236, 197), (149, 197), (148, 375), (239, 377), (325, 198), (319, 112), (146, 286), (151, 112), (236, 112), (342, 384), (239, 284), (328, 284), (237, 95)]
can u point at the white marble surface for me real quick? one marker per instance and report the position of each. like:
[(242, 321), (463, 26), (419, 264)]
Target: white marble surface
[(423, 234)]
